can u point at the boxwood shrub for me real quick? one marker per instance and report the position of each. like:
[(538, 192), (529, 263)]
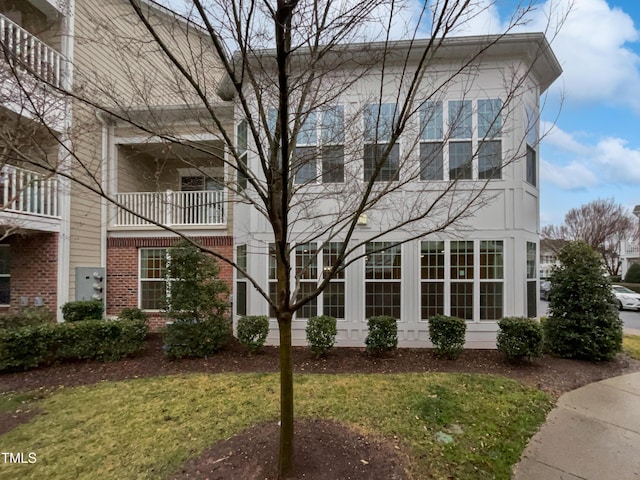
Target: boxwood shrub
[(184, 338), (25, 317), (520, 338), (321, 334), (29, 347), (382, 336), (447, 335), (252, 331), (82, 310)]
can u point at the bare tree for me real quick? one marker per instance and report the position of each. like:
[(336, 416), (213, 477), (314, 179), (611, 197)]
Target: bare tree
[(602, 224), (277, 70)]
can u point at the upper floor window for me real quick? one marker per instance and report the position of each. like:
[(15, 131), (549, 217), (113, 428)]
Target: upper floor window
[(431, 144), (242, 153), (532, 145), (381, 160)]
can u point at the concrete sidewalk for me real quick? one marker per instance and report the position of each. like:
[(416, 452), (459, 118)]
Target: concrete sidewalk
[(592, 434)]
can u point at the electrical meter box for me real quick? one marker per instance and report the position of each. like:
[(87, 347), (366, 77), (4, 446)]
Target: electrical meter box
[(90, 283)]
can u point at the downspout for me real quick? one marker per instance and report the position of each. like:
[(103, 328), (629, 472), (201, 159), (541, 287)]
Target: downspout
[(106, 183), (64, 236)]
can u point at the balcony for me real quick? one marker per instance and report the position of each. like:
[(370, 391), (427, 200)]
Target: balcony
[(29, 53), (171, 208)]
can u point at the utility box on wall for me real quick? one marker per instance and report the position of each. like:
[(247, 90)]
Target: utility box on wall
[(90, 283)]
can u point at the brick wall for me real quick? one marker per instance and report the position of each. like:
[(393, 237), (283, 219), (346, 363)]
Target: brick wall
[(122, 269), (34, 269)]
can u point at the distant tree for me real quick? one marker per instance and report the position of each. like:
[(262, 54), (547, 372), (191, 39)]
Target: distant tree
[(602, 224), (584, 321)]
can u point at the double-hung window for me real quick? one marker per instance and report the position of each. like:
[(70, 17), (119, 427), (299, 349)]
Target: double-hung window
[(532, 282), (532, 145), (489, 143), (460, 143), (461, 269), (431, 133), (242, 154), (383, 273), (304, 157), (491, 279), (307, 275), (5, 274), (432, 258), (154, 283), (241, 280), (381, 159), (332, 148), (333, 295)]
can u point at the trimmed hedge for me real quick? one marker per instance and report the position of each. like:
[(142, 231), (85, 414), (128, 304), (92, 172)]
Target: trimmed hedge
[(382, 336), (520, 338), (132, 314), (185, 338), (32, 346), (82, 310), (252, 331), (26, 317), (633, 274), (321, 334), (447, 335)]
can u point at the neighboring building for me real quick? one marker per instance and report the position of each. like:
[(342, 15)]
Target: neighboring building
[(63, 242), (481, 271), (549, 256)]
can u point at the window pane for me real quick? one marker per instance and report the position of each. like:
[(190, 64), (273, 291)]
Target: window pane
[(333, 300), (432, 299), (307, 261), (460, 119), (462, 260), (378, 122), (489, 118), (330, 257), (385, 264), (432, 260), (308, 134), (431, 121), (532, 299), (382, 298), (462, 300), (5, 290), (242, 137), (491, 259), (491, 300), (531, 165), (153, 263), (241, 259), (532, 126), (333, 125), (490, 159), (431, 164), (531, 260), (460, 161), (333, 164), (5, 259), (389, 171), (242, 177), (153, 295), (272, 261), (241, 298), (304, 164), (311, 308)]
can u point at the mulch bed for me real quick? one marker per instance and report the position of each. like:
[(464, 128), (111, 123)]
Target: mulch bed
[(324, 449)]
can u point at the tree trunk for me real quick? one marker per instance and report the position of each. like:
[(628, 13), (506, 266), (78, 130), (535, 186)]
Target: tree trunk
[(285, 464)]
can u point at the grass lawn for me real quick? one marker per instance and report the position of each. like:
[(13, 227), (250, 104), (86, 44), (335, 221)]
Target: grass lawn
[(145, 429), (631, 346)]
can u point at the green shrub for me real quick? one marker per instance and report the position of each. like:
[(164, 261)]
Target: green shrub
[(447, 335), (25, 317), (584, 321), (82, 310), (32, 346), (184, 338), (633, 274), (321, 334), (382, 336), (133, 314), (252, 332), (520, 338)]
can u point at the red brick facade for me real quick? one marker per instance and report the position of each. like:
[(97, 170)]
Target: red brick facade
[(122, 268), (34, 269)]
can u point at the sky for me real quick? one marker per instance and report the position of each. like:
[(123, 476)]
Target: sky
[(591, 116)]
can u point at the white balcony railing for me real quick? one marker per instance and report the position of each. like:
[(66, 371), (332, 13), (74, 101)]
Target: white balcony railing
[(171, 208), (23, 191), (28, 52)]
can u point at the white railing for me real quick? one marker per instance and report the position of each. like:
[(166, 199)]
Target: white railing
[(23, 191), (171, 208), (29, 53), (630, 248)]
